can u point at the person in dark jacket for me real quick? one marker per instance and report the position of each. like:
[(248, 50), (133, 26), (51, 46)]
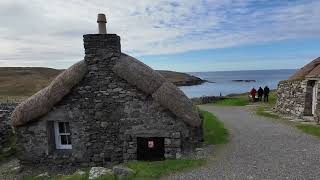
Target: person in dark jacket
[(266, 92), (260, 93)]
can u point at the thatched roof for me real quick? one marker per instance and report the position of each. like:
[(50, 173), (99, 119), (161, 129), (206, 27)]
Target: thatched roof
[(42, 102), (153, 83), (310, 70), (128, 68)]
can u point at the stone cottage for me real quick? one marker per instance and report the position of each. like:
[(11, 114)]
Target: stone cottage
[(105, 109), (299, 95)]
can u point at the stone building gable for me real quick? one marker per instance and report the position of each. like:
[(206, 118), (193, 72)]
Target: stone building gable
[(106, 115)]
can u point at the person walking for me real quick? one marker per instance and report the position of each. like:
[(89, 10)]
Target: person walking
[(266, 92), (253, 93), (260, 93)]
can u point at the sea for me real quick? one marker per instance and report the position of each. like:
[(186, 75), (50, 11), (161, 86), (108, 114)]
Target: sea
[(222, 82)]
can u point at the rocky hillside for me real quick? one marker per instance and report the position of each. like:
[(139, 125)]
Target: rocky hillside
[(25, 81), (181, 79)]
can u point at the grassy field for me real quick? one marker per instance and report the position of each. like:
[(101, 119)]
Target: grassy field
[(214, 133), (143, 170), (18, 83), (156, 169), (309, 129), (233, 101), (243, 100), (213, 129), (261, 111)]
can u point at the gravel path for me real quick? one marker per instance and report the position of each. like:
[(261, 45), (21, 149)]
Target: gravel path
[(259, 149)]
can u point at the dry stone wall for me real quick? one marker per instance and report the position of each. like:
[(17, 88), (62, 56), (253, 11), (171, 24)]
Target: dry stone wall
[(5, 124), (291, 97)]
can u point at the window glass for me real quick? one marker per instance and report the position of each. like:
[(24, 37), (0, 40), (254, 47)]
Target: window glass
[(64, 139), (67, 127), (69, 139), (61, 127)]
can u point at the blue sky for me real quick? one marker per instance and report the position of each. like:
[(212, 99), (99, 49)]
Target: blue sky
[(180, 35), (285, 54)]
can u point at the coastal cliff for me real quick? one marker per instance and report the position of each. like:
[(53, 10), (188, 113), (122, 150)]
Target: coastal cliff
[(181, 79), (25, 81)]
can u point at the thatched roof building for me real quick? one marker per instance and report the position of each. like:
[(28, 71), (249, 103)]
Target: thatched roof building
[(298, 96), (308, 71), (107, 108), (135, 72)]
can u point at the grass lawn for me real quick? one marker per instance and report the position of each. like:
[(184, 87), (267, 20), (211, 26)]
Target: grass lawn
[(213, 129), (309, 129), (233, 101), (152, 170), (143, 170), (243, 100), (214, 133), (261, 111)]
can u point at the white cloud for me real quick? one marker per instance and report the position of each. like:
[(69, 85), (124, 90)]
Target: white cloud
[(44, 33)]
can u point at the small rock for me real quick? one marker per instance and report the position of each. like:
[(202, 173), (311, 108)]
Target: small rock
[(46, 174), (96, 172), (16, 169), (80, 172), (122, 171), (178, 155), (5, 150)]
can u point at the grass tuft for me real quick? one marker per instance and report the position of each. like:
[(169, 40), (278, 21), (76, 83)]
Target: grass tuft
[(155, 169), (309, 129), (261, 112), (240, 101), (213, 129)]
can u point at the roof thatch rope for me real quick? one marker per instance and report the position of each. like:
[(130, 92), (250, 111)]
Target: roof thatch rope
[(42, 102), (139, 74), (153, 83), (169, 96), (310, 70)]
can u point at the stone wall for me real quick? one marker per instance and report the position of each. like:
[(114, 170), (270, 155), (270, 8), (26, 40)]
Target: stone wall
[(5, 124), (106, 115), (291, 97)]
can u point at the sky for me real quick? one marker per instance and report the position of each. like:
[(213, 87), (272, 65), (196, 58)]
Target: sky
[(180, 35)]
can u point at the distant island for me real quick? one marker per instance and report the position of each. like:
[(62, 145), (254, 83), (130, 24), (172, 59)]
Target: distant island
[(25, 81), (181, 79), (244, 80)]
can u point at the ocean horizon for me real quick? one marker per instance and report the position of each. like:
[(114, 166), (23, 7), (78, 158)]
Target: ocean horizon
[(223, 82)]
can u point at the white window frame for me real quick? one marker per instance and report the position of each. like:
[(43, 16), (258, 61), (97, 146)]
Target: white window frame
[(58, 135)]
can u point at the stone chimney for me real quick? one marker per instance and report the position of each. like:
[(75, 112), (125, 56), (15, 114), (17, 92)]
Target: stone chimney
[(101, 43)]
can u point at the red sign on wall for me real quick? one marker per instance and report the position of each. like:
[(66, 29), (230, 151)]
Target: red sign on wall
[(150, 144)]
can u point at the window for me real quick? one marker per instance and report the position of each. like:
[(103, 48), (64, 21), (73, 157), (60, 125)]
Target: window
[(62, 135)]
